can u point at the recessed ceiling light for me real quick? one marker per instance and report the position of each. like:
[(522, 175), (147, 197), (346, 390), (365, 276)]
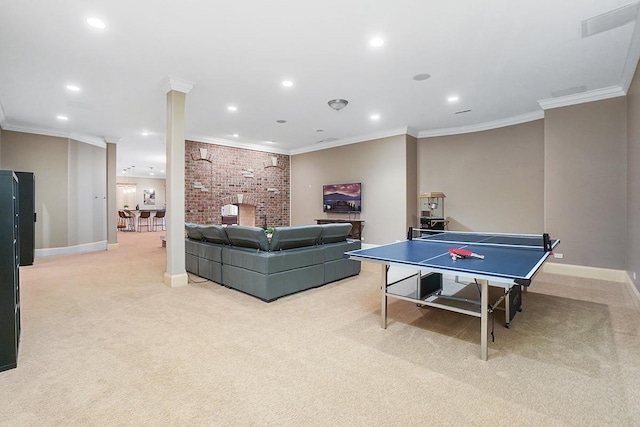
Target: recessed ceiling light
[(73, 88), (452, 98), (232, 108), (144, 133), (269, 142), (375, 117), (63, 118), (235, 135), (162, 171), (423, 76), (376, 42), (287, 83), (96, 23)]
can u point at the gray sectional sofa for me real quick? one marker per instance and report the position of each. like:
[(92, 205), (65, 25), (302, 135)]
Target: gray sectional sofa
[(295, 259)]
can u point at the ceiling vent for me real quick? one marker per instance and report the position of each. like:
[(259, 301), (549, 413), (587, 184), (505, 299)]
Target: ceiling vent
[(610, 20)]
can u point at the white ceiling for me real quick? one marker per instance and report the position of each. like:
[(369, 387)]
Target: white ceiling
[(501, 57)]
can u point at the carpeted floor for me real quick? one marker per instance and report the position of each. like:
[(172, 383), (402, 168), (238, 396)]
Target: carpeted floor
[(105, 342)]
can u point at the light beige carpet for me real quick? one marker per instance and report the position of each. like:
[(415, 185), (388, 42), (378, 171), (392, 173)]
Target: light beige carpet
[(105, 342)]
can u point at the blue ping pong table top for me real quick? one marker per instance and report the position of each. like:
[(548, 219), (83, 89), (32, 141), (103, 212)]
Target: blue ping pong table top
[(505, 256)]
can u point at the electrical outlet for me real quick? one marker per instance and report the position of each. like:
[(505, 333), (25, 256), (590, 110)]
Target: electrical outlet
[(557, 255)]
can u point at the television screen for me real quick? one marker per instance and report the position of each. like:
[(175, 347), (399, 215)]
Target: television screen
[(341, 197)]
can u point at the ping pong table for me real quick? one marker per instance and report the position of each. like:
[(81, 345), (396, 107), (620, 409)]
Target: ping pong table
[(510, 262)]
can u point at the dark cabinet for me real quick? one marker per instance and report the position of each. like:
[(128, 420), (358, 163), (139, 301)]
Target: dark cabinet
[(9, 272), (356, 226), (27, 216)]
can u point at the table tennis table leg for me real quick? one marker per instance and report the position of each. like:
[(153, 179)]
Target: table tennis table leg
[(484, 319), (384, 280)]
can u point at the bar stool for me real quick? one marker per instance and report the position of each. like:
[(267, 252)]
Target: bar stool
[(144, 215), (159, 216), (122, 221), (125, 222)]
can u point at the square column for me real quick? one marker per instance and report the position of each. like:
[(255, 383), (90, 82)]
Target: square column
[(176, 90)]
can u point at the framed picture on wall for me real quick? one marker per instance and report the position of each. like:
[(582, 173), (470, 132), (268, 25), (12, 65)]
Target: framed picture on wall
[(149, 197)]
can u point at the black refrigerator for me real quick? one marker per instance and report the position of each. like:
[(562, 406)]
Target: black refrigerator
[(27, 216)]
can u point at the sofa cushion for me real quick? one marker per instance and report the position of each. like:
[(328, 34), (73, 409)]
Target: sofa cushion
[(248, 237), (284, 238), (193, 231), (214, 234), (333, 233)]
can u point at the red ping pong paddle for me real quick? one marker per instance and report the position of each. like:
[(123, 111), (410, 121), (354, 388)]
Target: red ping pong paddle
[(463, 253)]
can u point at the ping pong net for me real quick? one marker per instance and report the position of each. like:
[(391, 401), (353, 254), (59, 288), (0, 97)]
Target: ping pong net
[(523, 241)]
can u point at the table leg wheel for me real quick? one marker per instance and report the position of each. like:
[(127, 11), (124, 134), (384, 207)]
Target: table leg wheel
[(507, 325)]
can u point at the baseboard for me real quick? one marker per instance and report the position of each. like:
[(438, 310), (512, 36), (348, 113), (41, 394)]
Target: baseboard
[(71, 250), (633, 290), (113, 246), (586, 272), (176, 280)]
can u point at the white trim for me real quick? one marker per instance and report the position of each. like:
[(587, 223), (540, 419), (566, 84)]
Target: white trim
[(495, 124), (354, 140), (584, 271), (236, 144), (87, 139), (633, 54), (174, 83), (580, 98), (633, 290), (72, 250), (176, 280)]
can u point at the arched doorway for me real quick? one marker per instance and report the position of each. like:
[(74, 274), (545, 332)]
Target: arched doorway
[(239, 209)]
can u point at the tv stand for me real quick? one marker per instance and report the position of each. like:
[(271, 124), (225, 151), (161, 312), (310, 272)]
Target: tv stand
[(356, 226)]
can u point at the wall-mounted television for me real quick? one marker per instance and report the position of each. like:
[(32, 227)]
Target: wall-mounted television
[(341, 197)]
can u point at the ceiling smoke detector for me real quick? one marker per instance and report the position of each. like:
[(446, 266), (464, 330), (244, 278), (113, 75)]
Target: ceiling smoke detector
[(338, 104)]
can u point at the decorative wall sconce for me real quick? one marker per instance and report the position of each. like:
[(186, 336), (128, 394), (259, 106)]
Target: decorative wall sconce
[(202, 154), (273, 163)]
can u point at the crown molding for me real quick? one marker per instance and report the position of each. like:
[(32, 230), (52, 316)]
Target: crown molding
[(580, 98), (633, 55), (236, 144), (354, 140), (495, 124), (174, 83), (87, 139), (111, 139)]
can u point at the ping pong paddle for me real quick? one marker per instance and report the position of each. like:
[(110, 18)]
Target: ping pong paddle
[(463, 253)]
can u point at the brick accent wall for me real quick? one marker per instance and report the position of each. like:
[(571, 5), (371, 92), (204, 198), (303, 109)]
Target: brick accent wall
[(216, 174)]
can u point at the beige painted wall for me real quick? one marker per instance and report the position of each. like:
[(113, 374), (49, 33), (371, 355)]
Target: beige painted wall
[(633, 180), (47, 157), (87, 221), (157, 184), (586, 182), (380, 165), (493, 180)]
